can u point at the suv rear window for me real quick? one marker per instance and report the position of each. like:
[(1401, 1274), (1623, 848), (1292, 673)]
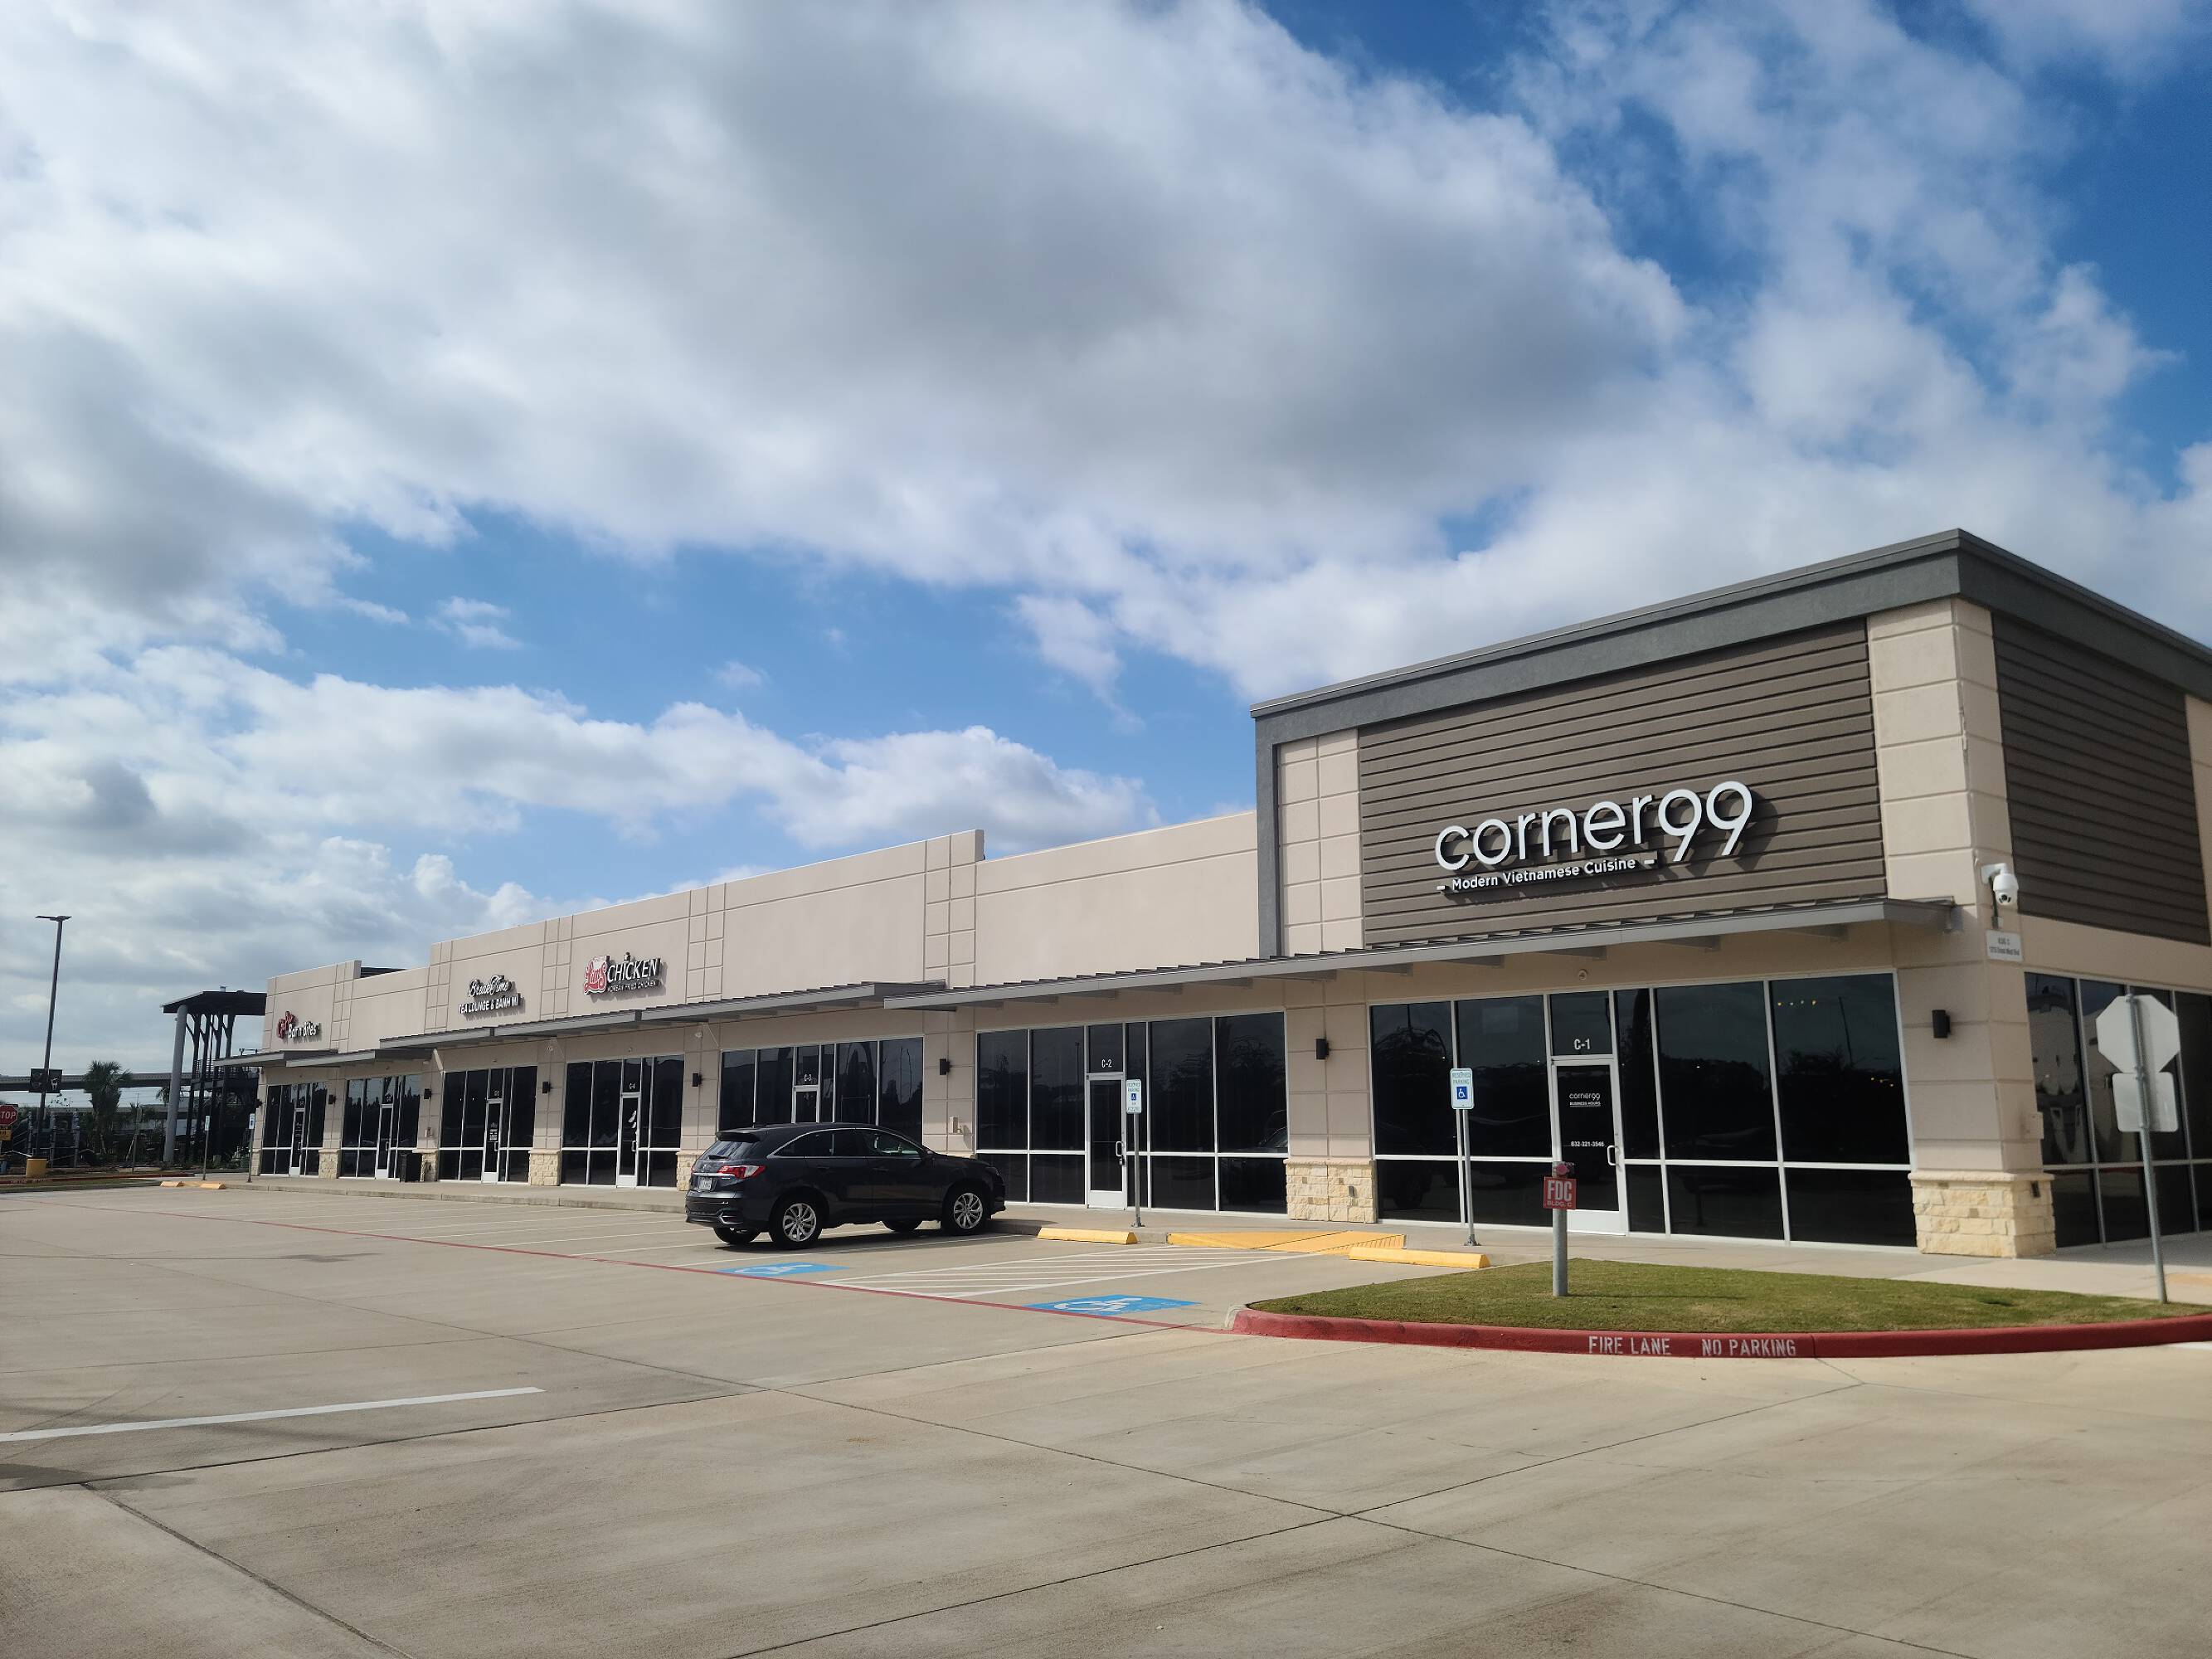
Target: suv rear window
[(740, 1149)]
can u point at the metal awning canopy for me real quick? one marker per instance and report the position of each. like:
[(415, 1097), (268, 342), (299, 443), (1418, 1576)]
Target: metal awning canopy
[(1830, 919), (219, 1002)]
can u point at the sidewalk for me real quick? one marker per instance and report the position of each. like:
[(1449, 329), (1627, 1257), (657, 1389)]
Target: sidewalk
[(2107, 1270)]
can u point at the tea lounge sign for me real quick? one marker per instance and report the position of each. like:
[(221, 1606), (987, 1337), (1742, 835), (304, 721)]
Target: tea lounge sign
[(494, 995), (1604, 838), (606, 976)]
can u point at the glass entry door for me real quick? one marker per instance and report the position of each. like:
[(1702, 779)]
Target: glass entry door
[(387, 1124), (807, 1086), (1107, 1159), (495, 1125), (629, 1122), (1586, 1134), (299, 1137)]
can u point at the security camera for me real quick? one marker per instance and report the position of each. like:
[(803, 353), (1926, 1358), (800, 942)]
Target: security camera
[(2004, 886)]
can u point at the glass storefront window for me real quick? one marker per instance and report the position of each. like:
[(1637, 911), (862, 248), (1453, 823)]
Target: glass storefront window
[(1639, 1079), (1411, 1057), (1056, 1094), (1501, 1040), (899, 1102), (2054, 1036), (1581, 1024), (1713, 1078), (1181, 1106), (1838, 1075), (2097, 995), (1002, 1088), (1253, 1091)]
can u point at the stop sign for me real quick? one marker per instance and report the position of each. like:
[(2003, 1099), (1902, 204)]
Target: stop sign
[(6, 1116)]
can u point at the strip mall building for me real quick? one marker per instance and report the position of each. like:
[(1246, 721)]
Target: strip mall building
[(1701, 895)]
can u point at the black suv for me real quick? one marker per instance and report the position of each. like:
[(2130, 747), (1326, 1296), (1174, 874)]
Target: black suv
[(792, 1180)]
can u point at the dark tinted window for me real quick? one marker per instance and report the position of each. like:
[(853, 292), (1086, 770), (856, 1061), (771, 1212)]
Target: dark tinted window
[(1253, 1102), (1056, 1088), (1579, 1025), (1501, 1040), (735, 1108), (856, 1083), (663, 1121), (2195, 1013), (813, 1145), (1412, 1060), (851, 1143), (1103, 1043), (1002, 1087), (883, 1144), (2113, 1147), (1838, 1075), (899, 1085), (2055, 1041), (1181, 1098), (772, 1092), (1713, 1083), (1640, 1090)]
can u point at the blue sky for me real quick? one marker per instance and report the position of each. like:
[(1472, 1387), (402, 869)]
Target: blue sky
[(459, 469)]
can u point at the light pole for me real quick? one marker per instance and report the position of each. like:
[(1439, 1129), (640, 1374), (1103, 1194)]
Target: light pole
[(47, 1066)]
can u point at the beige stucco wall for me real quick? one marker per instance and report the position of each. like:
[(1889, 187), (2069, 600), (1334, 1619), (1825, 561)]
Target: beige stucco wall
[(1939, 755), (1159, 898), (1317, 854)]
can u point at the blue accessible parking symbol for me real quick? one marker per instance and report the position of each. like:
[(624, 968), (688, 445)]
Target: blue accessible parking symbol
[(780, 1269), (1111, 1304)]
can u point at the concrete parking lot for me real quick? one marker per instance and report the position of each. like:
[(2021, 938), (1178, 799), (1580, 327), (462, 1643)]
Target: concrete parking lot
[(471, 1428)]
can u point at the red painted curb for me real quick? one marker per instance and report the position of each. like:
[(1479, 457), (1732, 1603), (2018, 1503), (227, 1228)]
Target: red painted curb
[(1707, 1345)]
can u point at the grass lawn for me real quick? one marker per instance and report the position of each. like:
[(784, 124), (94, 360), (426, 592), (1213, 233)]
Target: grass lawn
[(1636, 1296)]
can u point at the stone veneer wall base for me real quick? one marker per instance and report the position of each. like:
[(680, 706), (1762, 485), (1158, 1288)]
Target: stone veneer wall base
[(1330, 1189), (1983, 1213), (544, 1166)]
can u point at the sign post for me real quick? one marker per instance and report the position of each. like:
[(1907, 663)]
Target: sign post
[(1558, 1199), (1462, 1102), (1133, 1110), (2139, 1036)]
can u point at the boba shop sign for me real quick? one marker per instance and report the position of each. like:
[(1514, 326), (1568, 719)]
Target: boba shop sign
[(1605, 838)]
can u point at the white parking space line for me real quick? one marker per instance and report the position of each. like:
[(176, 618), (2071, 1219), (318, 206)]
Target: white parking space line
[(263, 1416), (966, 1284)]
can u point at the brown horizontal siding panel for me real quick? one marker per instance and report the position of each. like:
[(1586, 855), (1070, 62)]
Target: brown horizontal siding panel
[(1687, 677), (2102, 789), (2166, 844), (1793, 719), (1651, 710), (1812, 730)]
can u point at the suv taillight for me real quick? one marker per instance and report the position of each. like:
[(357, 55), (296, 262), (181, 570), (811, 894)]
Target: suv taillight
[(737, 1171)]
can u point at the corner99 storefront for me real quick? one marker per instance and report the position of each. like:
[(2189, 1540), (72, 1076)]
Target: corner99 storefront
[(1752, 1108)]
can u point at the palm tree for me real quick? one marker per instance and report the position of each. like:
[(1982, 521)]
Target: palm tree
[(105, 1080)]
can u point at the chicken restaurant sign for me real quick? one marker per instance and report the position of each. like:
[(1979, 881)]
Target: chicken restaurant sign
[(607, 975), (1607, 837)]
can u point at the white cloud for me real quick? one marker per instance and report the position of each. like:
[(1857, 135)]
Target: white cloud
[(476, 622), (739, 676), (208, 822)]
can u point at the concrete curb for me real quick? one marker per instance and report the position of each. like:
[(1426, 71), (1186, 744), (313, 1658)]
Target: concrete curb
[(1088, 1235), (1706, 1344)]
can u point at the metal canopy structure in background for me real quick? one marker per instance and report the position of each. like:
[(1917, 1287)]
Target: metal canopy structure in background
[(207, 1024)]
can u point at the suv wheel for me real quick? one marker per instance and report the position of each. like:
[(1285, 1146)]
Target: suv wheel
[(734, 1234), (965, 1212), (797, 1222)]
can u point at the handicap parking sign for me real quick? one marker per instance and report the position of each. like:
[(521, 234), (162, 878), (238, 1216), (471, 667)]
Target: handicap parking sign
[(1109, 1305), (780, 1269)]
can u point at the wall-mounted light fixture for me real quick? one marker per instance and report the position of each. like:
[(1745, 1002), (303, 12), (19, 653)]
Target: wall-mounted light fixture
[(1321, 1047), (545, 1085), (697, 1079), (1940, 1023), (429, 1094), (944, 1066)]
